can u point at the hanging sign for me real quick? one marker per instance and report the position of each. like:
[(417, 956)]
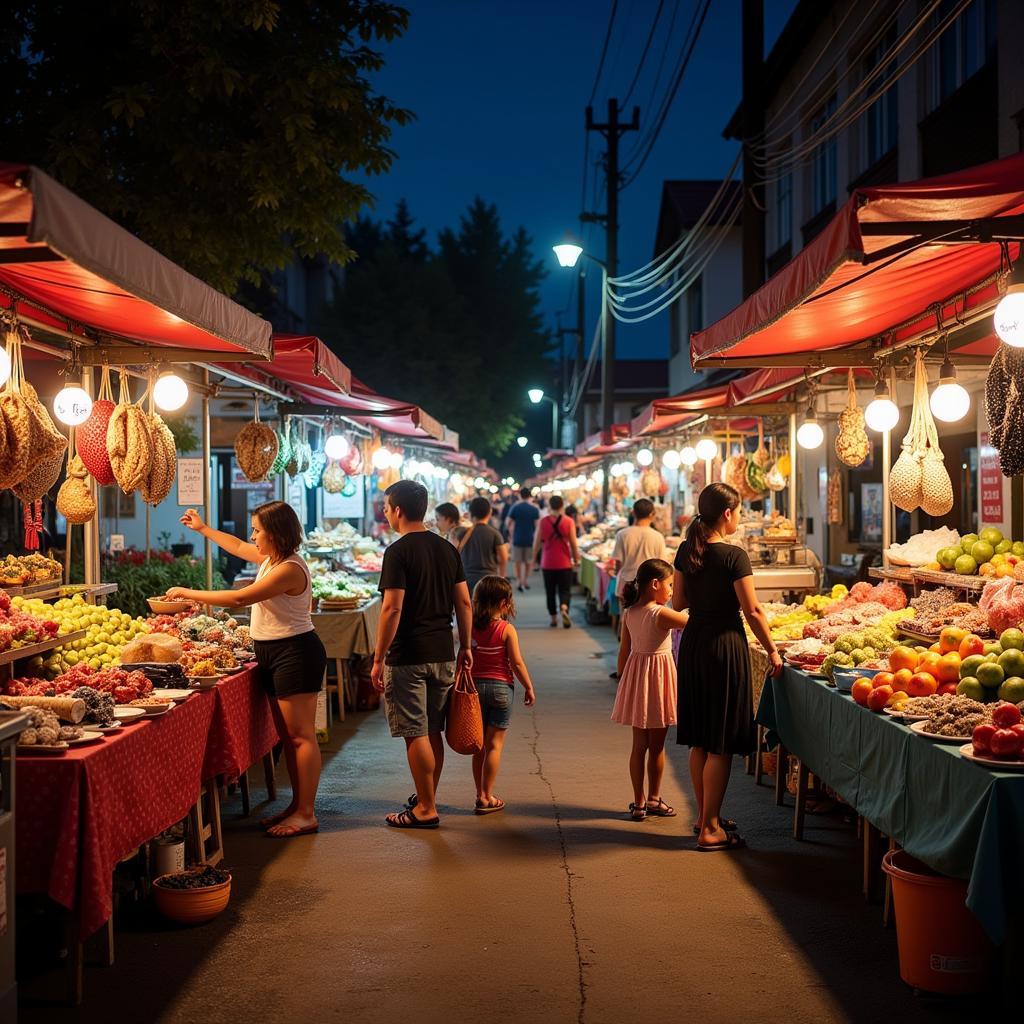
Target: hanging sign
[(991, 482), (190, 481)]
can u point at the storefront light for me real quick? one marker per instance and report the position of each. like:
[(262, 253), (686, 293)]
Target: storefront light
[(479, 483), (170, 392), (882, 412), (688, 456), (645, 456), (950, 400), (706, 448), (337, 446), (1008, 318), (627, 467), (810, 435), (455, 479), (72, 405), (381, 458), (671, 459), (396, 460), (441, 472)]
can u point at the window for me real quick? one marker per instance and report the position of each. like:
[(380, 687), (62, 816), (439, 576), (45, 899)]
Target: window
[(823, 163), (783, 211), (695, 305), (963, 49), (880, 133)]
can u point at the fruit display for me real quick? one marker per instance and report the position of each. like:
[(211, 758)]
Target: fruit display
[(988, 553), (107, 631), (1002, 602), (123, 686), (1002, 737), (808, 654)]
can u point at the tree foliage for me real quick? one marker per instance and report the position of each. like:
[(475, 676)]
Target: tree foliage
[(226, 133), (456, 330)]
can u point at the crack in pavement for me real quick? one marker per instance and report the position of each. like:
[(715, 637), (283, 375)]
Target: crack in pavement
[(581, 964)]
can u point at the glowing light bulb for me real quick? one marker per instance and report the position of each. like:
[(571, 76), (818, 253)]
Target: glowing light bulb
[(882, 412), (706, 448), (688, 456), (381, 458), (1008, 318), (170, 392), (337, 446), (810, 435), (72, 405), (950, 400), (671, 459), (396, 460), (645, 456)]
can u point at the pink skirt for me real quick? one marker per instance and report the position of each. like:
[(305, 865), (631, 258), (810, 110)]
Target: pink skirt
[(646, 698)]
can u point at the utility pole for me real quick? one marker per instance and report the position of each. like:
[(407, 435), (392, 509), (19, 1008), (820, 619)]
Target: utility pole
[(612, 130), (753, 131), (581, 356)]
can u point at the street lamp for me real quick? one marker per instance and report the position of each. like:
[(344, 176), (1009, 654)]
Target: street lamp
[(536, 395), (522, 441), (568, 253)]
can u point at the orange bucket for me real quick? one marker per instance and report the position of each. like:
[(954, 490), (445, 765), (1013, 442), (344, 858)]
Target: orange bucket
[(942, 946)]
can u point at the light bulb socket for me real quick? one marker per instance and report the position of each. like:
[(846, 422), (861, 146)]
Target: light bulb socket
[(947, 372)]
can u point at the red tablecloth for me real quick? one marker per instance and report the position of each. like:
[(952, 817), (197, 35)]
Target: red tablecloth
[(242, 730), (79, 814)]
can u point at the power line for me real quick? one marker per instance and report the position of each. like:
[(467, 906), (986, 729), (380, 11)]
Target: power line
[(643, 56), (604, 52), (664, 53)]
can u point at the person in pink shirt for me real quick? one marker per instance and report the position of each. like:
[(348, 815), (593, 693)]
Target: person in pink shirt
[(559, 556)]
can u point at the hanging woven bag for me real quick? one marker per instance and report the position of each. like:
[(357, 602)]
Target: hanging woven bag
[(464, 730)]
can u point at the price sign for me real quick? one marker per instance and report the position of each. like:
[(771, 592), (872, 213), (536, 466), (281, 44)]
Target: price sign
[(117, 542), (991, 483), (190, 481)]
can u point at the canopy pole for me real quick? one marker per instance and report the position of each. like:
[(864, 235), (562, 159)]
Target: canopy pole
[(207, 504), (149, 529), (887, 509), (792, 469), (91, 530)]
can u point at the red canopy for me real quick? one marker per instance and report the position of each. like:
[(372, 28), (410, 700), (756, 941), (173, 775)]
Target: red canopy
[(665, 413), (606, 442), (309, 369), (65, 264), (888, 259)]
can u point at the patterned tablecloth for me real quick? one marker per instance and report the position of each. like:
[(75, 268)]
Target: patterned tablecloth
[(79, 814)]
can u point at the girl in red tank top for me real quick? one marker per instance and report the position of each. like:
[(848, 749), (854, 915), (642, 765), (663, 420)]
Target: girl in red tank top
[(497, 663)]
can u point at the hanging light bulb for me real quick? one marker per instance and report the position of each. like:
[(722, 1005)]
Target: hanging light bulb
[(627, 467), (671, 459), (950, 400), (706, 448), (882, 412), (688, 456), (645, 456), (1008, 318), (810, 435), (381, 458), (337, 446), (396, 460), (72, 405), (170, 392)]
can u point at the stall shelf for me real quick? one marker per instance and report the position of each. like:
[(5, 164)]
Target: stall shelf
[(31, 650), (959, 818)]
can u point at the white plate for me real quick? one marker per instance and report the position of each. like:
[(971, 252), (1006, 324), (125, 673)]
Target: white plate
[(105, 728), (36, 748), (967, 752), (203, 682), (177, 695), (87, 737), (157, 709), (124, 713), (905, 715), (921, 730)]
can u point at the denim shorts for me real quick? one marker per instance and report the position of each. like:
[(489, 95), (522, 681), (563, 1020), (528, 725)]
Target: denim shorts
[(496, 699)]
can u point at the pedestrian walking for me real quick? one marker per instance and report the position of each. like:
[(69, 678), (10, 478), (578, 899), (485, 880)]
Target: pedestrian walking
[(555, 542), (447, 519), (646, 697), (483, 549), (634, 545), (414, 661), (714, 580), (497, 663), (290, 658), (522, 518)]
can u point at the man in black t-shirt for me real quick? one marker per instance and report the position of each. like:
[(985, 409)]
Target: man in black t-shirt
[(414, 663), (483, 549)]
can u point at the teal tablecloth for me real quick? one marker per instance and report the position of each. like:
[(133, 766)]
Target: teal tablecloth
[(959, 818)]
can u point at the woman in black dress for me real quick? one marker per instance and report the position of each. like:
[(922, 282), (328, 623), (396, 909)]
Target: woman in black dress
[(713, 579)]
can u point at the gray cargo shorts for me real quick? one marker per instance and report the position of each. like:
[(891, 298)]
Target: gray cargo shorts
[(416, 697)]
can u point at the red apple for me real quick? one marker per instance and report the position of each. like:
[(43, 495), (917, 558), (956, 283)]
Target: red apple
[(947, 689), (1005, 715), (981, 738), (1005, 743), (879, 697)]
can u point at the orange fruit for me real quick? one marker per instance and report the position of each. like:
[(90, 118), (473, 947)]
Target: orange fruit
[(901, 679), (1002, 571), (930, 662), (987, 569), (934, 567), (861, 689), (949, 668), (902, 657), (897, 697), (883, 679), (950, 638), (935, 648), (971, 644), (922, 684)]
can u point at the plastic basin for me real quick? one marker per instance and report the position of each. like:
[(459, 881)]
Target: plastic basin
[(844, 678), (942, 946), (191, 906)]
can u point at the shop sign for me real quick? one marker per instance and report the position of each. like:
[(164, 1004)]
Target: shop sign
[(190, 481), (991, 480)]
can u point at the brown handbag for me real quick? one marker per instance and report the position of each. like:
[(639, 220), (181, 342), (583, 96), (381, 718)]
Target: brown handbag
[(465, 726)]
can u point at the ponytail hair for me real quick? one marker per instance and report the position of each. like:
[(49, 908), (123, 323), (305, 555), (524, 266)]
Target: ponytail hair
[(715, 500), (652, 569)]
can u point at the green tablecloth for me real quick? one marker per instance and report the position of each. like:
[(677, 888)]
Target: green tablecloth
[(588, 574), (959, 818)]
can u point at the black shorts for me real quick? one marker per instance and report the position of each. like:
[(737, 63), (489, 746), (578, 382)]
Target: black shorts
[(291, 666)]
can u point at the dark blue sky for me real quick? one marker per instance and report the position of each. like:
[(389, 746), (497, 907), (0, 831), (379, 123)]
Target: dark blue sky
[(499, 90)]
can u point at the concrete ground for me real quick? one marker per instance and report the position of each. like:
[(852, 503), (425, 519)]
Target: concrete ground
[(559, 909)]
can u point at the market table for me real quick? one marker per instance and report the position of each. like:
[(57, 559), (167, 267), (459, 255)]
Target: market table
[(349, 633), (242, 729), (961, 819), (594, 578)]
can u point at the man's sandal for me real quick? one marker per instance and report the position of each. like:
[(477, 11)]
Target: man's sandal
[(412, 801), (727, 823), (637, 813), (659, 809), (406, 819)]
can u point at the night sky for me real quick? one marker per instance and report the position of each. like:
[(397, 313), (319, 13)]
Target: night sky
[(499, 92)]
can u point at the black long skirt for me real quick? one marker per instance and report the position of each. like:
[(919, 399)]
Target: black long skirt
[(715, 693)]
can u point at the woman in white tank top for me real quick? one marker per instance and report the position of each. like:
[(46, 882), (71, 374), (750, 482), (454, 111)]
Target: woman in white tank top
[(290, 656)]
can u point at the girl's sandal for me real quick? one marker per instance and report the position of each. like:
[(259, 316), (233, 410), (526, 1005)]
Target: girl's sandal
[(638, 813), (659, 809), (727, 823)]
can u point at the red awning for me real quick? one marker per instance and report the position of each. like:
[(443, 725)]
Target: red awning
[(857, 282), (666, 413), (389, 415), (606, 442), (307, 367), (65, 264)]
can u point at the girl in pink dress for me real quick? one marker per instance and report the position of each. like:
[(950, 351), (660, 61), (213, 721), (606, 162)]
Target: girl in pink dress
[(646, 698)]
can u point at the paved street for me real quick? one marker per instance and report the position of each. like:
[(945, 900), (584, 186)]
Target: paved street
[(559, 909)]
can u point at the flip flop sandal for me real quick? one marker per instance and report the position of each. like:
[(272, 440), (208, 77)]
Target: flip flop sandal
[(482, 808), (727, 823), (637, 813), (566, 621), (293, 832), (734, 842), (406, 819), (660, 809), (412, 802), (272, 820)]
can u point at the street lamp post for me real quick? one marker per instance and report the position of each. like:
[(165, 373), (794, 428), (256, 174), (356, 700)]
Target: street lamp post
[(536, 395)]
